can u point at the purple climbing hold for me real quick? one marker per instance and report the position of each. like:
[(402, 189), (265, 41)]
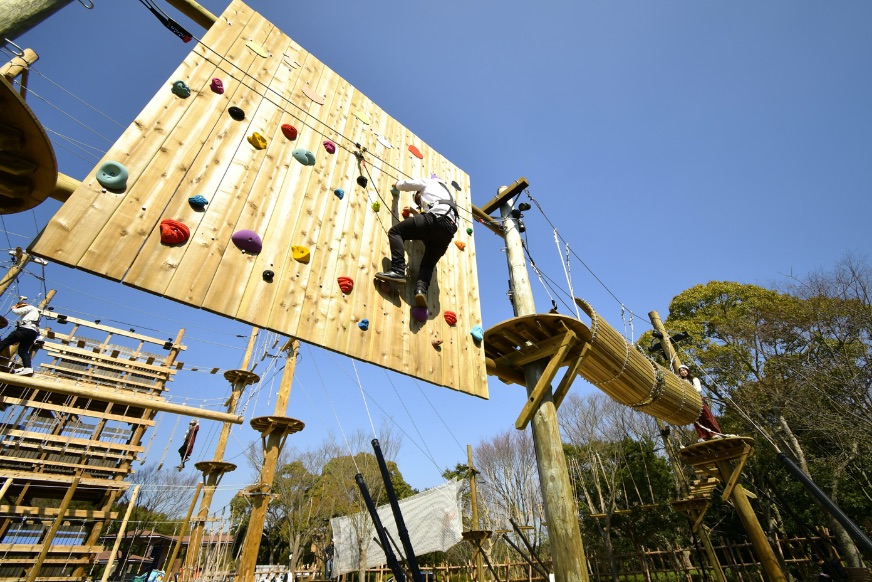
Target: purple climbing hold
[(420, 313), (247, 240), (217, 86), (330, 147)]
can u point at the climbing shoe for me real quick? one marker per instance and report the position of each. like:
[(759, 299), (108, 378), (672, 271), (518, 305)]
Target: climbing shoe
[(391, 276), (420, 297)]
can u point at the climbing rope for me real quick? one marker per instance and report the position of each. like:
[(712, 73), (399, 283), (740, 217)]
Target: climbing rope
[(566, 271)]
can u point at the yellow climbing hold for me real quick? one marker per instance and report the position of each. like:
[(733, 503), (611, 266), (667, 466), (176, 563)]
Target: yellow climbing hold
[(362, 116), (257, 140), (376, 205), (301, 254), (257, 48)]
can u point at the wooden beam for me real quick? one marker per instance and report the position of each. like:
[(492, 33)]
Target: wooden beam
[(503, 196), (195, 12), (28, 511), (64, 187), (80, 411), (543, 386), (113, 330), (487, 221), (102, 394)]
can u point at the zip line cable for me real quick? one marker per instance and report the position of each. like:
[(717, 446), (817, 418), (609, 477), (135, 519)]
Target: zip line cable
[(411, 418), (336, 416), (76, 97)]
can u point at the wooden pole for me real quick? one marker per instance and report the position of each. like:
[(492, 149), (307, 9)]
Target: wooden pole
[(175, 553), (273, 442), (561, 513), (120, 535), (5, 487), (22, 259), (19, 65), (195, 12), (19, 16), (675, 362), (49, 536), (479, 560), (240, 379)]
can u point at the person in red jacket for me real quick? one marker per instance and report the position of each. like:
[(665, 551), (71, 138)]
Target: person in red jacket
[(706, 425)]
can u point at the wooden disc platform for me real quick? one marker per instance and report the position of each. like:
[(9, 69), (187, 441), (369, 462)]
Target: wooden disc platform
[(276, 424), (241, 377), (476, 535), (514, 343), (28, 167), (215, 467)]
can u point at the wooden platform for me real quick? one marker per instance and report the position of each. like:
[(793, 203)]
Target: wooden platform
[(276, 424), (715, 456), (28, 168)]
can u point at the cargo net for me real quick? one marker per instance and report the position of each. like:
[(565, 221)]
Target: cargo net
[(620, 370), (433, 519)]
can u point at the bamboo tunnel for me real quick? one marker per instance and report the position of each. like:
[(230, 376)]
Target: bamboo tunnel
[(608, 361)]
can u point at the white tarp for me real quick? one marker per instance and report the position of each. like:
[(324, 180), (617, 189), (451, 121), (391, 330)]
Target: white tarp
[(433, 519)]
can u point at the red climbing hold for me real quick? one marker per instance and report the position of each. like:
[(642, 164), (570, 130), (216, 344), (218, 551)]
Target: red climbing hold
[(450, 317), (173, 232), (290, 131), (416, 152), (346, 284)]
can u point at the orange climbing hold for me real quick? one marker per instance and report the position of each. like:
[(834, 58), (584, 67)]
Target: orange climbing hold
[(173, 232), (460, 244), (416, 152), (450, 317), (346, 284)]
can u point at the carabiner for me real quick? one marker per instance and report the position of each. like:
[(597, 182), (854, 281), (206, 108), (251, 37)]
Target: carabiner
[(86, 5)]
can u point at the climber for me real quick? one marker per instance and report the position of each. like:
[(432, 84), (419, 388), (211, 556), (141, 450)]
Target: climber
[(706, 425), (25, 334), (434, 223), (188, 443)]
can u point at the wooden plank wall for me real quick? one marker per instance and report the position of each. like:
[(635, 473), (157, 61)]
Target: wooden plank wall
[(178, 148)]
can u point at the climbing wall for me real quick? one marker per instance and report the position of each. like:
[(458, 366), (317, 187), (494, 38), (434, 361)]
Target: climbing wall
[(189, 158)]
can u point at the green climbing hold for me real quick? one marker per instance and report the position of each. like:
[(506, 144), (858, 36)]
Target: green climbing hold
[(181, 89), (468, 230), (303, 156), (112, 175)]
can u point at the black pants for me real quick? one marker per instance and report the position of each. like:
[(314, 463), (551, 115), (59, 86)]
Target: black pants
[(24, 338), (434, 231)]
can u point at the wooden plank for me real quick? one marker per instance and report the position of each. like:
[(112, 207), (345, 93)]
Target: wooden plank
[(92, 444), (57, 478), (79, 411), (106, 362), (84, 468)]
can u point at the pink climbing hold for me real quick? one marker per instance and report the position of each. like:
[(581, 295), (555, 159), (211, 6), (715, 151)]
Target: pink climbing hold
[(217, 86), (247, 240), (450, 318), (420, 313), (330, 147)]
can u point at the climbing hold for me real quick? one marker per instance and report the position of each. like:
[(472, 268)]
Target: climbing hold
[(257, 140), (376, 206), (363, 324), (173, 232), (436, 343), (420, 313), (460, 244), (301, 254), (199, 201), (468, 230), (362, 116), (217, 86), (247, 240), (416, 152), (181, 89), (406, 212), (313, 95), (434, 176), (257, 48), (450, 318), (477, 333), (456, 185), (330, 147), (112, 175), (305, 157), (339, 192), (346, 284), (395, 191), (362, 181), (290, 131), (236, 113), (268, 276), (382, 140)]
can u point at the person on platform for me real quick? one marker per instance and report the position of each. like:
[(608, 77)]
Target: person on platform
[(434, 223), (706, 425), (25, 333)]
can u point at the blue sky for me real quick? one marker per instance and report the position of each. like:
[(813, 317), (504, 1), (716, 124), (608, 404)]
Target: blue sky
[(670, 143)]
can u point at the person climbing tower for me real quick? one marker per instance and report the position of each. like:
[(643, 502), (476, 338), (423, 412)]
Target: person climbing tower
[(434, 223), (706, 425), (25, 333)]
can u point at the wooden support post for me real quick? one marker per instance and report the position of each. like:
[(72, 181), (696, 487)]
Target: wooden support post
[(111, 561), (5, 487), (212, 472), (702, 533), (49, 536), (195, 12), (274, 432), (561, 514), (175, 553), (22, 259), (479, 558), (19, 65), (19, 16)]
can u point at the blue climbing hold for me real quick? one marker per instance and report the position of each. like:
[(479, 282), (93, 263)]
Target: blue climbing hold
[(112, 175), (339, 192), (305, 157), (181, 89), (198, 201), (395, 191), (363, 324), (477, 333)]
